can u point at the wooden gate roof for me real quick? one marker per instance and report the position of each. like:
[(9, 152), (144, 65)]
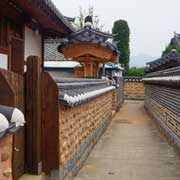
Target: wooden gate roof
[(89, 44), (92, 36)]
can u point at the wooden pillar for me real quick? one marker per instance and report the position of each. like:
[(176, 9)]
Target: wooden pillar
[(88, 69), (96, 69), (104, 70), (33, 115)]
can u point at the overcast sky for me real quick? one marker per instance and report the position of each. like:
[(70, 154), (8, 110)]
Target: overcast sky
[(152, 22)]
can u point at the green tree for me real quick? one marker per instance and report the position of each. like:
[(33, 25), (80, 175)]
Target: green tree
[(169, 48), (122, 32), (134, 71)]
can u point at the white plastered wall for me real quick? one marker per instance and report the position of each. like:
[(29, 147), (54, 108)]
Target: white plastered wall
[(3, 61), (33, 43)]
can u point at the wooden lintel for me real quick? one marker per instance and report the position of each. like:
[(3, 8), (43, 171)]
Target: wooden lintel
[(92, 50), (93, 59)]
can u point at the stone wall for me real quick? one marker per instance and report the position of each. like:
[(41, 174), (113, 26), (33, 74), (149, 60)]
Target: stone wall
[(80, 128), (162, 100), (6, 157), (134, 88), (118, 94)]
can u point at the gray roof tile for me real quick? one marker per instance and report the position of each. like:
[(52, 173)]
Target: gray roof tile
[(170, 60), (78, 86), (51, 51)]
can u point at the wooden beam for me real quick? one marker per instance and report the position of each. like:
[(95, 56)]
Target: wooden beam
[(11, 13), (83, 49), (39, 11)]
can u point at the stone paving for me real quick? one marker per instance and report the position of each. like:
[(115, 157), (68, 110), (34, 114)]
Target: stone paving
[(131, 149)]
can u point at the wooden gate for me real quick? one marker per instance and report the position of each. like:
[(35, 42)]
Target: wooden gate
[(42, 115), (12, 94)]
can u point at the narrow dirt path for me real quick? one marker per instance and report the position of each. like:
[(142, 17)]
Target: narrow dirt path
[(131, 149)]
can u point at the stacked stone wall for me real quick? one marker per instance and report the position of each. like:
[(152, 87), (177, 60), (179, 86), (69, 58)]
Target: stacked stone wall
[(6, 157), (80, 128), (162, 100), (134, 88)]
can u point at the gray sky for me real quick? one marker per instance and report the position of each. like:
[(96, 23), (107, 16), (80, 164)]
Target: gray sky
[(152, 22)]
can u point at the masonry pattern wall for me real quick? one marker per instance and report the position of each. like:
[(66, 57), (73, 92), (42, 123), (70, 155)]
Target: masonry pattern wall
[(118, 95), (80, 127), (162, 100), (134, 90), (6, 157)]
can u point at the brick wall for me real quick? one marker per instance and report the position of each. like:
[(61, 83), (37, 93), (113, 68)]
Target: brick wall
[(6, 157), (114, 99), (134, 90), (80, 128), (163, 104)]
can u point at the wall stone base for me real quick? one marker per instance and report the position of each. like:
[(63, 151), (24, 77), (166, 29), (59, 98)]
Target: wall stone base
[(6, 157), (165, 130), (74, 163)]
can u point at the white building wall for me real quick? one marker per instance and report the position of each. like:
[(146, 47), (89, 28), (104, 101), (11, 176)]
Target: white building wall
[(3, 61), (33, 43)]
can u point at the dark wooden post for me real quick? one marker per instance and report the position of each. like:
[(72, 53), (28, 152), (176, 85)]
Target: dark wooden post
[(33, 116), (50, 123), (104, 70)]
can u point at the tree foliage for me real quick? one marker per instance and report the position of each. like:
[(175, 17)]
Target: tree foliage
[(134, 71), (82, 15), (169, 48), (122, 33)]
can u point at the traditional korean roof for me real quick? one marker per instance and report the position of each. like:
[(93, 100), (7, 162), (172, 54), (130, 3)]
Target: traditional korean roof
[(62, 18), (169, 76), (58, 65), (75, 91), (11, 119), (176, 40), (88, 34), (93, 36), (169, 60), (45, 14), (51, 50), (133, 78), (70, 19)]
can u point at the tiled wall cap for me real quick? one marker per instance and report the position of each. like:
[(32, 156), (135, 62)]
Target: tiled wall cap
[(18, 118), (14, 117)]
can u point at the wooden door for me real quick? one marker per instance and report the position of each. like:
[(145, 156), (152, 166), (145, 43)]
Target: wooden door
[(17, 56)]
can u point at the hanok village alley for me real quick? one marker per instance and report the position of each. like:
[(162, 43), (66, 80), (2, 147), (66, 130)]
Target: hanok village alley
[(62, 89)]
